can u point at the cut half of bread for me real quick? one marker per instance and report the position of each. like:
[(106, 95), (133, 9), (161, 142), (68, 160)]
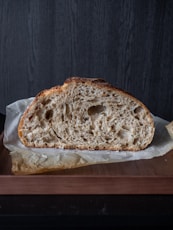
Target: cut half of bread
[(86, 113)]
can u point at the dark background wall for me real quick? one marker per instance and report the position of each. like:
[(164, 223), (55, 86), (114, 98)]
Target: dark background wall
[(127, 42)]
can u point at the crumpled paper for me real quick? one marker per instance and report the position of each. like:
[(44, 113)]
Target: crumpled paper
[(28, 160)]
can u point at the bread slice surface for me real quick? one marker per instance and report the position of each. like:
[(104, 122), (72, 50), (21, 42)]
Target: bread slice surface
[(86, 113)]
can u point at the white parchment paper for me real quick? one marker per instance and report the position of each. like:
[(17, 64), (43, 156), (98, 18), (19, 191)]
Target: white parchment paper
[(162, 143)]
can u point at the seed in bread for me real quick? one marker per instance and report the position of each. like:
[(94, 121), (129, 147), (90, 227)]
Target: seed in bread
[(86, 113)]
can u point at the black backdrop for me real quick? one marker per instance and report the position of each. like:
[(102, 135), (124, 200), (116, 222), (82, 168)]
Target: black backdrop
[(127, 42)]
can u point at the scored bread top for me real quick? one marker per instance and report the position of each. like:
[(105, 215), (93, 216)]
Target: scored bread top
[(86, 113)]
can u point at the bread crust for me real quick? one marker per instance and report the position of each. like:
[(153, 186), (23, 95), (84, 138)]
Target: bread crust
[(99, 83)]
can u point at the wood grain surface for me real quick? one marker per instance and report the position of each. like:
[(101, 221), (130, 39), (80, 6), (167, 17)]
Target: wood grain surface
[(129, 43), (153, 176)]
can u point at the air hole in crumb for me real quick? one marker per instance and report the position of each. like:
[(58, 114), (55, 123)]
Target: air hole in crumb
[(30, 118), (138, 109), (125, 127), (49, 114), (135, 141), (96, 109), (68, 111), (107, 138), (122, 134), (45, 102)]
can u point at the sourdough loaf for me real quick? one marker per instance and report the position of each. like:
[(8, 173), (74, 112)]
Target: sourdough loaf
[(86, 113), (169, 128)]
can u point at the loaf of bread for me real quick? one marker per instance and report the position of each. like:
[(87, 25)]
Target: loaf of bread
[(169, 128), (86, 113)]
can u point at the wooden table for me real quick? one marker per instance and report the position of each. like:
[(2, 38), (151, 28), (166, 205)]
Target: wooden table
[(153, 176), (136, 193)]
